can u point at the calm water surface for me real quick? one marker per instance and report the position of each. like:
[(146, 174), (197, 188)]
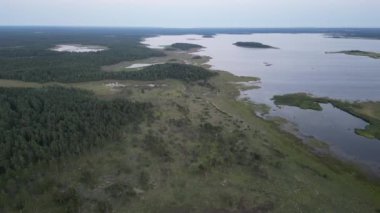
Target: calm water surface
[(301, 65)]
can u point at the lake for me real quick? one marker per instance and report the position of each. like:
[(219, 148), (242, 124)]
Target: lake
[(301, 65)]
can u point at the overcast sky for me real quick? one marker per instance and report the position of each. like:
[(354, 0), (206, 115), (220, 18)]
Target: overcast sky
[(192, 13)]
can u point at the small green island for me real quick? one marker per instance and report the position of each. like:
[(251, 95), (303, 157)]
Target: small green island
[(373, 55), (208, 36), (300, 100), (185, 46), (367, 111), (253, 45)]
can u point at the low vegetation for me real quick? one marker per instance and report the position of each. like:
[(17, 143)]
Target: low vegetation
[(368, 111), (253, 45)]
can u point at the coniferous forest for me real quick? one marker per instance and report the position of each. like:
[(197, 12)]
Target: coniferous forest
[(26, 55), (40, 125)]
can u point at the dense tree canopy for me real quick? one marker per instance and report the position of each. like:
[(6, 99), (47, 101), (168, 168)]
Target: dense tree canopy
[(165, 71), (44, 124), (28, 56)]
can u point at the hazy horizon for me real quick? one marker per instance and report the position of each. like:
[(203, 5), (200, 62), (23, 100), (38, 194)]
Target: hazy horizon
[(192, 14)]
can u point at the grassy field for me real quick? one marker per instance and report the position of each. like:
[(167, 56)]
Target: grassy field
[(204, 152), (368, 111)]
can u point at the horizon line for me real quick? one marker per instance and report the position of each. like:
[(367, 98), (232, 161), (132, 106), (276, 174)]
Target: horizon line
[(161, 27)]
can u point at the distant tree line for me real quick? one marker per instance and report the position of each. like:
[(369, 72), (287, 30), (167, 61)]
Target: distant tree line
[(165, 71), (28, 56), (182, 72), (185, 46)]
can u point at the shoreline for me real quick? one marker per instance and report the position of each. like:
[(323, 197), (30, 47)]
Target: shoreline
[(305, 101), (240, 85), (337, 154)]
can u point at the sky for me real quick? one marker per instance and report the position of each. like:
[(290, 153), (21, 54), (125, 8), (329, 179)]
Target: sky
[(192, 13)]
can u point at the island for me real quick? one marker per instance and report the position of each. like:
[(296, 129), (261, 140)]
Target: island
[(368, 111), (253, 45), (373, 55), (185, 46), (208, 36), (300, 100)]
